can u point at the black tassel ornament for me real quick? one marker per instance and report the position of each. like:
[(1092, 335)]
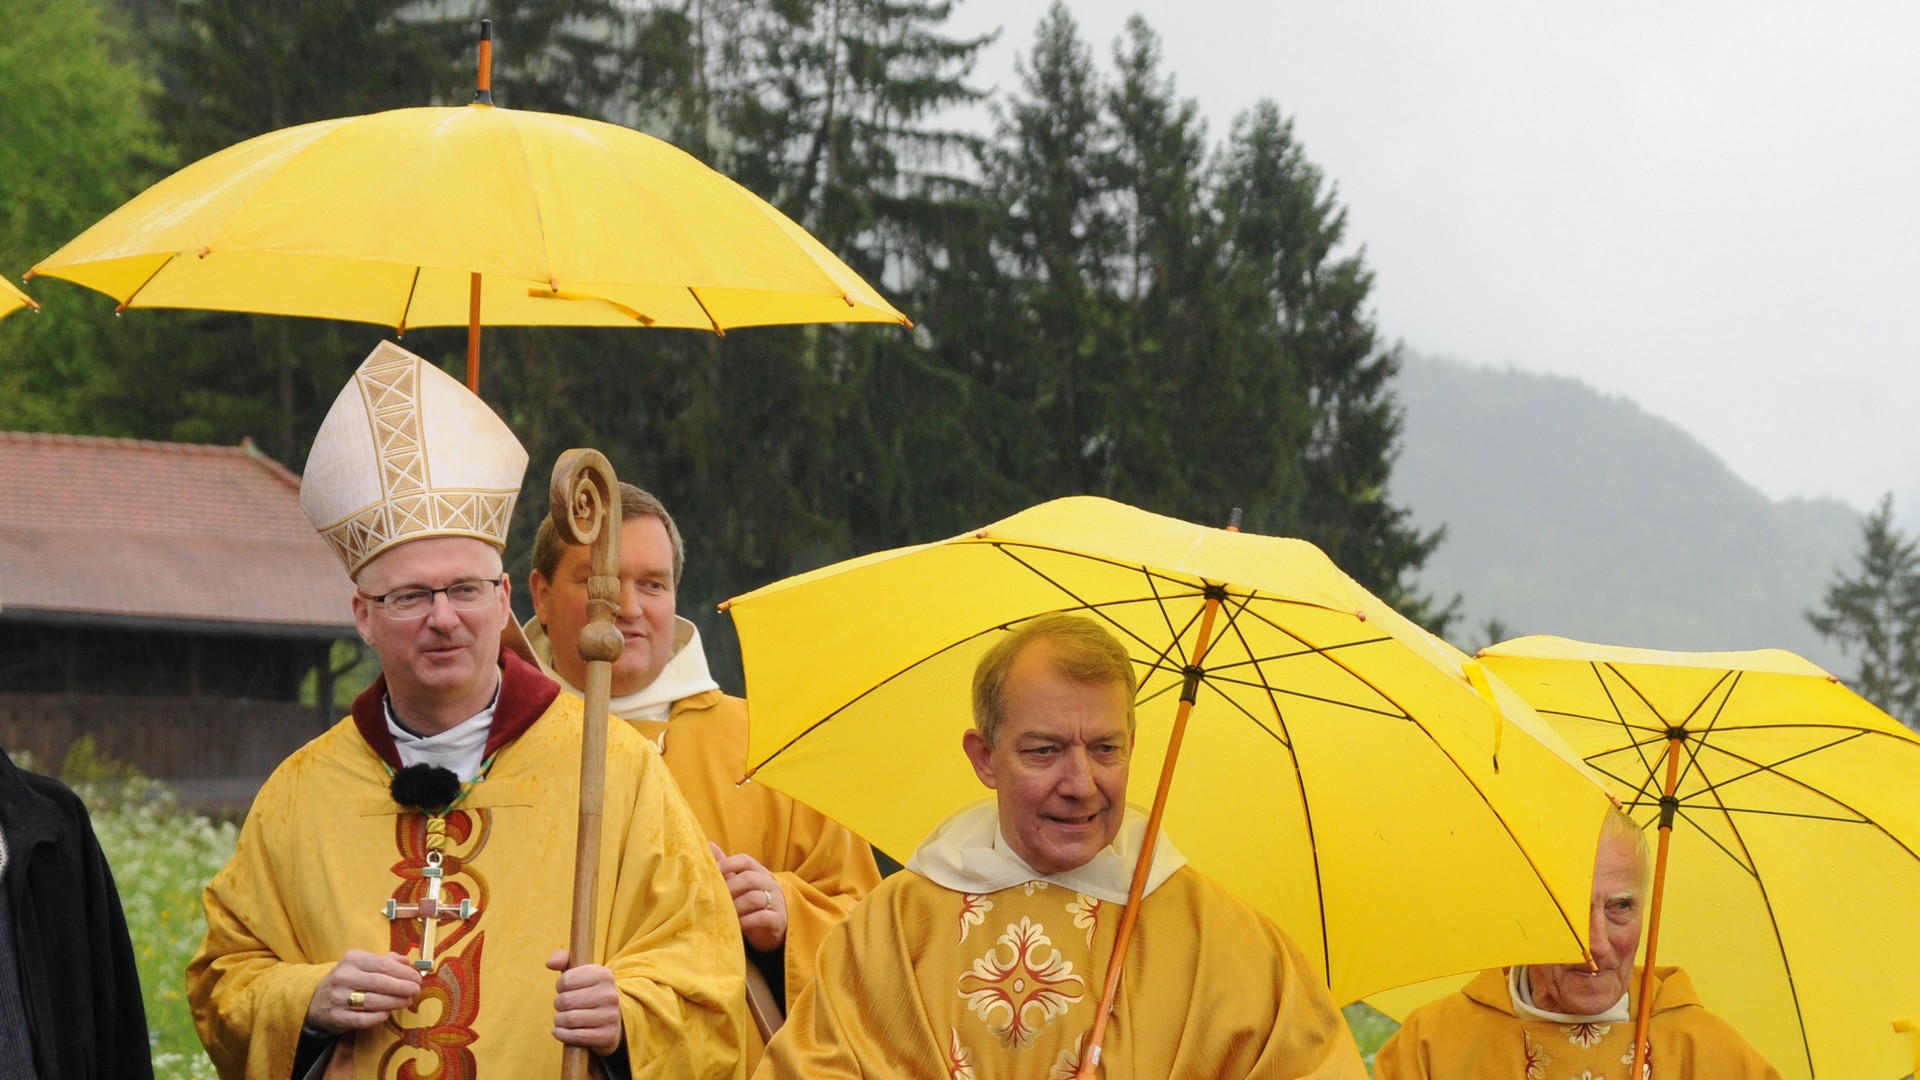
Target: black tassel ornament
[(427, 788)]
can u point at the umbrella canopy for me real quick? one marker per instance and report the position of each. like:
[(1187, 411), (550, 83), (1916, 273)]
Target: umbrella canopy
[(1792, 883), (1340, 771), (384, 219), (12, 299)]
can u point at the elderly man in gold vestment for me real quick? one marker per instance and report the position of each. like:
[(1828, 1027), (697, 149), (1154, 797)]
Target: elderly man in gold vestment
[(398, 904), (793, 873), (985, 957), (1547, 1021)]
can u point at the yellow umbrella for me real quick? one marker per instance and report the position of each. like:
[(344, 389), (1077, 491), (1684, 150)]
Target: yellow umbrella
[(12, 299), (466, 216), (1341, 769), (1789, 883)]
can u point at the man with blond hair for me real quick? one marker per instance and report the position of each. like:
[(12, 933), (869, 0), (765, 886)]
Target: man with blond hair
[(986, 956), (1552, 1020)]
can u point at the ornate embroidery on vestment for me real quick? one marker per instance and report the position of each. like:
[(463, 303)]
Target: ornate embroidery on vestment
[(959, 1058), (449, 1002), (1030, 977), (973, 912), (1535, 1056), (1086, 914), (451, 995), (1585, 1035)]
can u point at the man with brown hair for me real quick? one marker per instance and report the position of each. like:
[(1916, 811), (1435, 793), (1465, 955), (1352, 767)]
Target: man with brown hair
[(793, 873), (986, 956)]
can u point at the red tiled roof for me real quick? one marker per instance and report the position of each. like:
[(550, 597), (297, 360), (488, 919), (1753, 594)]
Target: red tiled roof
[(165, 531)]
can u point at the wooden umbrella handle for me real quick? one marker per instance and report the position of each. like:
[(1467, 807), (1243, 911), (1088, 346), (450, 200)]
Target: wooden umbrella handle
[(585, 508)]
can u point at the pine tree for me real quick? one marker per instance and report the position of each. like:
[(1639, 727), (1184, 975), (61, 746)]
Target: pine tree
[(1876, 614), (1303, 302), (75, 142)]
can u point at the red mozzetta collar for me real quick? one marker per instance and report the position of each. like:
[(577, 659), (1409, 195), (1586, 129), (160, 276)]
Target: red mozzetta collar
[(525, 694)]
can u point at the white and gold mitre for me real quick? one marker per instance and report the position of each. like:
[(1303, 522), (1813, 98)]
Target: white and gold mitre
[(405, 453)]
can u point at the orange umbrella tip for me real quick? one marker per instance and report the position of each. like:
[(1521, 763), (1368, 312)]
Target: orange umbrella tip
[(724, 606), (483, 91), (28, 277), (1361, 615)]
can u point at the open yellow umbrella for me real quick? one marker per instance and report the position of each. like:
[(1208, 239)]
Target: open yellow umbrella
[(1788, 873), (1340, 773), (466, 216), (12, 299)]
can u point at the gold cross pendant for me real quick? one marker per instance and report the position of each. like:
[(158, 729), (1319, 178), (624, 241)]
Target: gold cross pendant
[(429, 912)]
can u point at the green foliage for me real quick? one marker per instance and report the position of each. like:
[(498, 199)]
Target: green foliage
[(1370, 1028), (75, 143), (1875, 614), (162, 858)]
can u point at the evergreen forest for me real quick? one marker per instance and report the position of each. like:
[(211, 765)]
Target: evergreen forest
[(1108, 297)]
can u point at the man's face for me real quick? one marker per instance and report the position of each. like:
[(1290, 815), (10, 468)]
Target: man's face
[(1615, 929), (449, 658), (644, 616), (1059, 764)]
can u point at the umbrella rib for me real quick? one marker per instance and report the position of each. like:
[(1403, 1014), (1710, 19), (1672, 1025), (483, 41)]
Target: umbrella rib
[(1786, 962), (164, 263), (406, 309), (1285, 738), (1507, 827), (1621, 717), (1773, 767)]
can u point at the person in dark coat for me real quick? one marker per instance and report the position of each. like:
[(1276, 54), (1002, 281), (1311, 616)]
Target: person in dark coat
[(70, 1006)]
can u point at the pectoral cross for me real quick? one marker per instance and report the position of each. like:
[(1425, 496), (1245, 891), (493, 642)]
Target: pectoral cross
[(429, 912)]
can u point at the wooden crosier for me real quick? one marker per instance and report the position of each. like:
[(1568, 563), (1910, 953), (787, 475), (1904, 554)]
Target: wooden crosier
[(585, 508)]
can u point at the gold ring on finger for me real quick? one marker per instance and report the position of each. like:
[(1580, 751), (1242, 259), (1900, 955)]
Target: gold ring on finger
[(357, 1000), (769, 898)]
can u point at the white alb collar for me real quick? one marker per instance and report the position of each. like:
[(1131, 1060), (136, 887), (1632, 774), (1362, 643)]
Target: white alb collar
[(460, 749), (1520, 987), (967, 853), (684, 676)]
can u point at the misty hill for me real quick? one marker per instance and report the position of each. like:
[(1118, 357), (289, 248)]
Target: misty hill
[(1572, 512)]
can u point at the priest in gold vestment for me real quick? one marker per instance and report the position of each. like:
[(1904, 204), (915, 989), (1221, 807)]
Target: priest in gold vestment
[(986, 957), (1555, 1021), (399, 901), (793, 873)]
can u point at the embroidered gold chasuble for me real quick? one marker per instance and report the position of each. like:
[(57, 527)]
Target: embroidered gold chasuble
[(1475, 1035), (325, 847), (924, 981)]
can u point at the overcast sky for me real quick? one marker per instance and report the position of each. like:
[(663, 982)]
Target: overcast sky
[(1711, 208)]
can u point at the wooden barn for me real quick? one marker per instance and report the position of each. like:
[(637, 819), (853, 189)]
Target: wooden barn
[(171, 601)]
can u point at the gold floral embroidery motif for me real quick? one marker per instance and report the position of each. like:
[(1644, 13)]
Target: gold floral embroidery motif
[(973, 912), (1067, 1065), (1646, 1067), (1030, 977), (1034, 886), (1585, 1035), (1086, 914), (959, 1058), (1537, 1058)]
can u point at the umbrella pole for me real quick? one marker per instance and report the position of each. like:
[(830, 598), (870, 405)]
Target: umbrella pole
[(585, 508), (482, 95), (473, 337), (1668, 804), (1090, 1062)]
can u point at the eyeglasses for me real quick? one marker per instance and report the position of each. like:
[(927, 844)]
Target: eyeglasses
[(414, 603)]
